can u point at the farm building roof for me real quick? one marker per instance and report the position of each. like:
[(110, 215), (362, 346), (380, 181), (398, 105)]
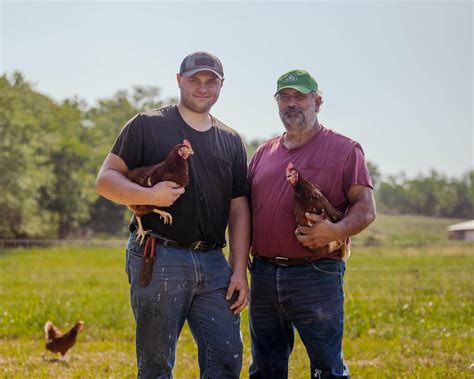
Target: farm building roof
[(468, 225)]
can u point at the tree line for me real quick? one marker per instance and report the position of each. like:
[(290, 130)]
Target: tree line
[(50, 153)]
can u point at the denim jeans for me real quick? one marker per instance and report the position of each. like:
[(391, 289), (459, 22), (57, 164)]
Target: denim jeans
[(185, 285), (309, 298)]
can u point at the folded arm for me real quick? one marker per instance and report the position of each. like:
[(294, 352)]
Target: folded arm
[(360, 215), (113, 184)]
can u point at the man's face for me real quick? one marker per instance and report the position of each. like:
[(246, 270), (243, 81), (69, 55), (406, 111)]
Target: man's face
[(200, 91), (297, 110)]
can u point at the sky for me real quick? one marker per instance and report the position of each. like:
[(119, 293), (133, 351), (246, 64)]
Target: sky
[(396, 76)]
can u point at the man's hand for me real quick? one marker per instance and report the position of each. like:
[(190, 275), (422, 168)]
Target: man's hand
[(113, 184), (319, 234), (238, 282), (164, 194), (360, 214)]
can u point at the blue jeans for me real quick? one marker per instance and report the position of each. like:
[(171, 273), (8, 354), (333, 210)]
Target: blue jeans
[(185, 285), (309, 298)]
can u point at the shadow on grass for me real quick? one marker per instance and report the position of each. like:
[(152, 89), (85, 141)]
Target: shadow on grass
[(60, 361)]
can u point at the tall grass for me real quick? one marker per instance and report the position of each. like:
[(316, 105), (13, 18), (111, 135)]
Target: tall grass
[(409, 313)]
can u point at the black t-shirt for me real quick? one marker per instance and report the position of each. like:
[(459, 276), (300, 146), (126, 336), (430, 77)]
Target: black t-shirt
[(217, 171)]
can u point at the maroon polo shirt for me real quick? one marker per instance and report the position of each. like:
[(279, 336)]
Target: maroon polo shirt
[(330, 160)]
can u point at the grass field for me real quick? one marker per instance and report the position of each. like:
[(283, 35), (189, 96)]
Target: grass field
[(409, 314), (406, 229)]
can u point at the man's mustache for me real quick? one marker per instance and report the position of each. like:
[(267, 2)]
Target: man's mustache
[(291, 110)]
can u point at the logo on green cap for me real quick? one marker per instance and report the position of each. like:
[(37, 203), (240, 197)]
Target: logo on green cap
[(299, 80)]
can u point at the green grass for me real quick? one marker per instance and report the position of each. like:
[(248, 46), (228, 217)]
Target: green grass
[(406, 229), (409, 313)]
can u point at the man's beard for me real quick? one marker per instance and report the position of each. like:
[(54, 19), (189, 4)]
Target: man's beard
[(191, 105), (194, 106), (297, 119)]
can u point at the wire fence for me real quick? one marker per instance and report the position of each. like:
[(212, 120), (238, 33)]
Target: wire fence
[(20, 243)]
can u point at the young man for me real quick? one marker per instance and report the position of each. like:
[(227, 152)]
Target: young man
[(191, 279), (290, 286)]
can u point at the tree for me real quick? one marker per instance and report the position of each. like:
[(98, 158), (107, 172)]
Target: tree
[(104, 122), (47, 188), (25, 146), (73, 180), (431, 195), (374, 173), (391, 196)]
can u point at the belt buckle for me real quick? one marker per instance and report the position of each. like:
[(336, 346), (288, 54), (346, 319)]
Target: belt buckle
[(279, 259), (197, 245)]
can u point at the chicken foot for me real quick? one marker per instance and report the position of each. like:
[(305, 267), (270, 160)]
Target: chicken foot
[(54, 358), (141, 233), (168, 219)]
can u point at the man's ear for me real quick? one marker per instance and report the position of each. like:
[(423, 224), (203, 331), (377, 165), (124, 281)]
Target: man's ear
[(178, 79), (318, 100), (222, 82)]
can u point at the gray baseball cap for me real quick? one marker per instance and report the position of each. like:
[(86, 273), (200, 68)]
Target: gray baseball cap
[(201, 61)]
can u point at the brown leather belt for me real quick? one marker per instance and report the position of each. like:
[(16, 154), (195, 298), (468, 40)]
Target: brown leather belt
[(283, 261), (162, 240), (198, 245)]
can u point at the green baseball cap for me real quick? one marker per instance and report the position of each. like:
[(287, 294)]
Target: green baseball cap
[(299, 80)]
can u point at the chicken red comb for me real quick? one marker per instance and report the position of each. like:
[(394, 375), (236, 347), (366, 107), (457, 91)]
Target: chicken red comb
[(187, 143), (290, 166)]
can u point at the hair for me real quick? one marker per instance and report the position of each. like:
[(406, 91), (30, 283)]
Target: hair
[(319, 94)]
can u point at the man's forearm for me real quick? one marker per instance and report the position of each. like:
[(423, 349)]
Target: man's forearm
[(359, 216), (239, 234), (114, 186)]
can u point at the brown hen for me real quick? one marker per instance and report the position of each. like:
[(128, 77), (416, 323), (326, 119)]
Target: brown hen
[(58, 342), (309, 199), (174, 168)]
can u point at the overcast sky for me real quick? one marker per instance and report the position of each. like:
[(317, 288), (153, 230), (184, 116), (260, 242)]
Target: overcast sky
[(396, 76)]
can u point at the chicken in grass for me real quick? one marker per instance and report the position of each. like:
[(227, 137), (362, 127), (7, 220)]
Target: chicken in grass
[(309, 199), (59, 342), (174, 168)]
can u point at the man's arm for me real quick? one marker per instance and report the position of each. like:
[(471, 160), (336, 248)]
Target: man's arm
[(239, 246), (113, 184), (360, 215)]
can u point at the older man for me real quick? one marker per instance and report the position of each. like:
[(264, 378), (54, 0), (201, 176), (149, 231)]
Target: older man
[(290, 286)]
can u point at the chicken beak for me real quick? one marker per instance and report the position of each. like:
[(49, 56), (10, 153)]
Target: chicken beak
[(188, 152), (292, 177), (185, 152)]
